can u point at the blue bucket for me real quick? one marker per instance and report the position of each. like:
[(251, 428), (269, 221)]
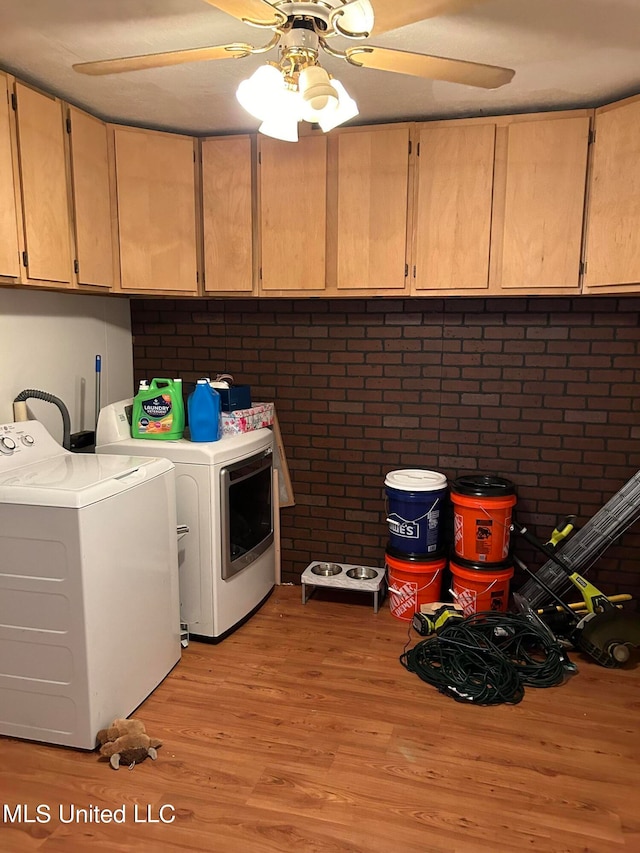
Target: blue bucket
[(415, 500)]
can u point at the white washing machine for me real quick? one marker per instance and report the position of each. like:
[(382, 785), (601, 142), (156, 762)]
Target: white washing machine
[(224, 496), (89, 605)]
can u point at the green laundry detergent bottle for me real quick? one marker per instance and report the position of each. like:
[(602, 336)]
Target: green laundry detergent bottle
[(158, 411)]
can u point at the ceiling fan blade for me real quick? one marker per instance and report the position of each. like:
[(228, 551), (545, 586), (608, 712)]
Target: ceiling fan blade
[(392, 14), (432, 67), (258, 12), (158, 60)]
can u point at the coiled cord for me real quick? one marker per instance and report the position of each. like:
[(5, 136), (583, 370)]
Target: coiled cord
[(487, 659)]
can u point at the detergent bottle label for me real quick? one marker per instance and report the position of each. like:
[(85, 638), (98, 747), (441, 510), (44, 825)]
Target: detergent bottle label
[(157, 415), (159, 407)]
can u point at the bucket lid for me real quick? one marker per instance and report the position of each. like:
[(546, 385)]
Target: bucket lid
[(483, 486), (415, 480)]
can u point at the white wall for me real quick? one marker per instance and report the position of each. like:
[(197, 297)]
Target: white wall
[(49, 341)]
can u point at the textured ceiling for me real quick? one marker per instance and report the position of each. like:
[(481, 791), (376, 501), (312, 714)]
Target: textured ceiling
[(566, 53)]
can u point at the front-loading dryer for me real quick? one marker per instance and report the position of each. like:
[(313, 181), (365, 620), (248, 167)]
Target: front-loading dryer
[(224, 495)]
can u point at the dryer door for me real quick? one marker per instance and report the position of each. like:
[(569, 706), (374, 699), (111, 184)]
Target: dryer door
[(246, 504)]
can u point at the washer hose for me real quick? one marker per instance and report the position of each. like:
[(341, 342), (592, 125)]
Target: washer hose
[(42, 395)]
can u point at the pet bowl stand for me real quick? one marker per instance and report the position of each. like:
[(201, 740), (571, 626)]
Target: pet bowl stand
[(341, 580)]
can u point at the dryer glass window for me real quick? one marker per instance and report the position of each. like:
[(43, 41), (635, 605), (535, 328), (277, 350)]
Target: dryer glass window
[(247, 512)]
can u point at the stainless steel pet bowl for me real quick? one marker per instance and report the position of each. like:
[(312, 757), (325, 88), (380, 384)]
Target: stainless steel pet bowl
[(362, 573), (326, 569)]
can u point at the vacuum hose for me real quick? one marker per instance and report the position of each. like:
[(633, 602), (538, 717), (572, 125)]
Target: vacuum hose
[(42, 395)]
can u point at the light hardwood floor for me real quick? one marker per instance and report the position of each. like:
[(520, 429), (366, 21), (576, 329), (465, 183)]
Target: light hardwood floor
[(302, 732)]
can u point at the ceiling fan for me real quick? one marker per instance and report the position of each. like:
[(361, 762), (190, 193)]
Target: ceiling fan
[(296, 87)]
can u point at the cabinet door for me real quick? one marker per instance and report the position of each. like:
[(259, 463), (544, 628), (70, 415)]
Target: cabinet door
[(43, 176), (372, 206), (9, 245), (453, 208), (227, 214), (91, 199), (613, 216), (155, 178), (293, 214), (539, 191)]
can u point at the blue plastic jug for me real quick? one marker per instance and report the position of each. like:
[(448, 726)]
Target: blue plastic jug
[(204, 408)]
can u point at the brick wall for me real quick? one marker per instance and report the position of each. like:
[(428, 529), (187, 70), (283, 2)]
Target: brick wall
[(541, 391)]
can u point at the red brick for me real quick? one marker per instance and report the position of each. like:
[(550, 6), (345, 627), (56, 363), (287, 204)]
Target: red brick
[(366, 386)]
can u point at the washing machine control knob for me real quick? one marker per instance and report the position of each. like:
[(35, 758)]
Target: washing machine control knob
[(28, 440), (7, 445)]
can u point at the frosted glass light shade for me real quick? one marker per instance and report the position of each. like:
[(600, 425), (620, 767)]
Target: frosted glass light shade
[(283, 118), (260, 92), (357, 17), (346, 109), (317, 92)]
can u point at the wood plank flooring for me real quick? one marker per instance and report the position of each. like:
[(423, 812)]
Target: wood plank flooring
[(302, 732)]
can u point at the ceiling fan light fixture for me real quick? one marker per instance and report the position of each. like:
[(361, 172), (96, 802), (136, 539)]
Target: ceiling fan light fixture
[(281, 97)]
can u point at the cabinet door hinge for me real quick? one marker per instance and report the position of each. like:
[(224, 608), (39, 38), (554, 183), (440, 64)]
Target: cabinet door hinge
[(592, 137), (25, 259), (68, 124), (14, 101), (76, 266)]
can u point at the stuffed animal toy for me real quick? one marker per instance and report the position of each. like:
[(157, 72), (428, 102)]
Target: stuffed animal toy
[(126, 742)]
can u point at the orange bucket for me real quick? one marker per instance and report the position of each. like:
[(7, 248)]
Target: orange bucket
[(480, 588), (412, 583), (482, 508)]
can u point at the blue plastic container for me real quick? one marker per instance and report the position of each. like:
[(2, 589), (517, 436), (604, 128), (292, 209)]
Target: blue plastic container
[(415, 501), (203, 408)]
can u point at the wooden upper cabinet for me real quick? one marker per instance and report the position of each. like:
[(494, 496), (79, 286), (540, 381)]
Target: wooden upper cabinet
[(227, 209), (539, 195), (453, 208), (92, 208), (293, 214), (45, 195), (612, 253), (9, 244), (155, 180), (369, 179)]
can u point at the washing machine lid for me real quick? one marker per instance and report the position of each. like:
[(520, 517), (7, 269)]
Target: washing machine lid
[(77, 480)]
